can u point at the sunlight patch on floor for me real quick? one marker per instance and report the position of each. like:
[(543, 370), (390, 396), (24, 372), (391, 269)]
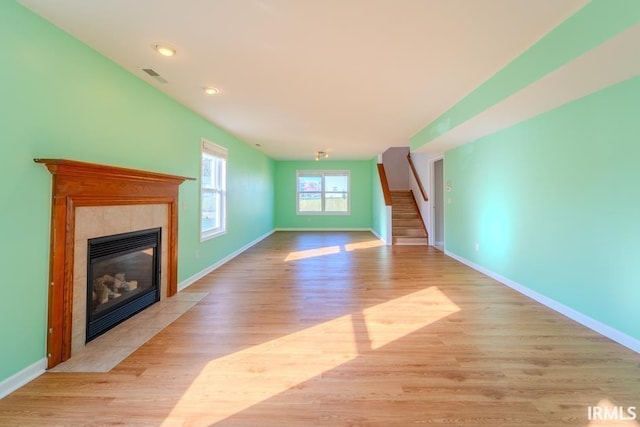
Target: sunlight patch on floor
[(311, 253), (330, 250), (238, 381), (391, 320), (363, 245)]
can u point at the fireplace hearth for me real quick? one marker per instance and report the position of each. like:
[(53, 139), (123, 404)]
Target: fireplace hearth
[(123, 278)]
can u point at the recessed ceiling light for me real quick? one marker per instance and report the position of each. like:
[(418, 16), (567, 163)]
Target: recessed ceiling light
[(164, 49), (211, 90)]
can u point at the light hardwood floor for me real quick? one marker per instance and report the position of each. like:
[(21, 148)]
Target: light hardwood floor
[(333, 329)]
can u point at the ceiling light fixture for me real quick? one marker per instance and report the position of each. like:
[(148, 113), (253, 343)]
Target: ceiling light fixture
[(321, 155), (164, 49), (211, 90)]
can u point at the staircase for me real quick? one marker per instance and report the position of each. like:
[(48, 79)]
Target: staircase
[(408, 228)]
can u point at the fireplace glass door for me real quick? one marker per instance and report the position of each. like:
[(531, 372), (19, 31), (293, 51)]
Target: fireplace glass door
[(123, 278)]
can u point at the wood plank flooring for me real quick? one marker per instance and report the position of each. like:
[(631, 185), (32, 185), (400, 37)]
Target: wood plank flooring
[(332, 329)]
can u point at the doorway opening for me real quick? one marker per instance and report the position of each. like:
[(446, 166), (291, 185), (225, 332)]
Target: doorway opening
[(438, 204)]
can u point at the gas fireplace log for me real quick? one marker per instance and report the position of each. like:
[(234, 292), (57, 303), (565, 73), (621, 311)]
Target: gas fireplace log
[(121, 285), (108, 287), (104, 288)]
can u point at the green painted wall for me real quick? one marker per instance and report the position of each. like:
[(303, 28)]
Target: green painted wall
[(285, 195), (592, 25), (554, 204), (61, 99), (379, 218)]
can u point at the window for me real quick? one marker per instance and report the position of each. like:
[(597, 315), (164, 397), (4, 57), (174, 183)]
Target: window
[(323, 192), (213, 190)]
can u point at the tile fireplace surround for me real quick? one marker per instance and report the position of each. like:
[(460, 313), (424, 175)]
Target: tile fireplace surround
[(91, 200), (98, 221)]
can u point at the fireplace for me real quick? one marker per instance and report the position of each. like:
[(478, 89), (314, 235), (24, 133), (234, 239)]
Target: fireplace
[(123, 277), (91, 200)]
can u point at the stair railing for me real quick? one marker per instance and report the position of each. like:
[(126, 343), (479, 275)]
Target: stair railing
[(385, 184), (417, 177)]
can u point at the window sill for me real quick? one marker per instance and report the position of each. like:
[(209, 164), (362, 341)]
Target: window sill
[(324, 213), (211, 235)]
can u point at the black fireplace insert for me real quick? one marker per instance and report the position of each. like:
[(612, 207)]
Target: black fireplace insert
[(123, 278)]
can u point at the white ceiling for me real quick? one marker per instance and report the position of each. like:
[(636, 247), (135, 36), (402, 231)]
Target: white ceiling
[(351, 77)]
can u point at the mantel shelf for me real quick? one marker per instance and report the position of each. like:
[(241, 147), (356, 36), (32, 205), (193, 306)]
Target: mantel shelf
[(73, 167)]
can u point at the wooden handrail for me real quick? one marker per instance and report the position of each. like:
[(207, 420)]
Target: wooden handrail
[(385, 184), (415, 175)]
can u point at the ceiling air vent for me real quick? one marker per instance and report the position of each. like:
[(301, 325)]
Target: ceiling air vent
[(154, 74)]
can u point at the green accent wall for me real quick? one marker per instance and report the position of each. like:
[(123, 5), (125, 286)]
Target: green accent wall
[(360, 193), (553, 204), (61, 99), (592, 25)]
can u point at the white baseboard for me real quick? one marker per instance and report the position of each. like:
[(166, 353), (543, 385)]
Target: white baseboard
[(595, 325), (28, 374), (378, 236), (191, 280)]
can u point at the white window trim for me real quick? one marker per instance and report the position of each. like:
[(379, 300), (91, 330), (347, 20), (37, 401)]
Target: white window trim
[(216, 150), (323, 173)]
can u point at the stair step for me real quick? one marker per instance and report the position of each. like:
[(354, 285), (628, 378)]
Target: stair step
[(406, 241), (409, 231), (405, 214), (404, 217), (407, 222), (401, 197)]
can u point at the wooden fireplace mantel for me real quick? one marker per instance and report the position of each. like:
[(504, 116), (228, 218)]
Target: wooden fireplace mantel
[(76, 184)]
